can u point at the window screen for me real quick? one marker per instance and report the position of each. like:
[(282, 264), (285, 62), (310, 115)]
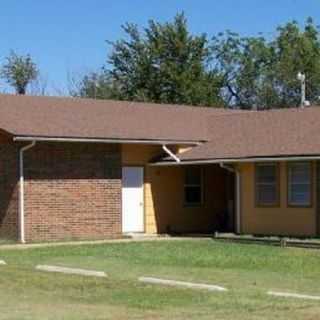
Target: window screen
[(299, 184), (267, 184)]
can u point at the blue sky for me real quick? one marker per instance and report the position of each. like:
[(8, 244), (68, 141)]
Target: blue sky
[(69, 35)]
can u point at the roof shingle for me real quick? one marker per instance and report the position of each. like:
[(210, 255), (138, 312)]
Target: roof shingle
[(284, 132), (227, 134), (102, 119)]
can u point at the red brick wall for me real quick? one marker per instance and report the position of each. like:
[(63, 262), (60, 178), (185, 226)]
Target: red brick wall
[(72, 191), (8, 189)]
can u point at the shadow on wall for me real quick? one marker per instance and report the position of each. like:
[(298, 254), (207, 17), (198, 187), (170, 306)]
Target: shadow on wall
[(8, 192), (72, 191), (58, 161), (172, 215)]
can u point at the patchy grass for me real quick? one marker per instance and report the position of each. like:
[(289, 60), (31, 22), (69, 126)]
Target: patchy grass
[(7, 241), (247, 270)]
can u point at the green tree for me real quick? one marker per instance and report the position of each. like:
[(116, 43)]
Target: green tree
[(96, 85), (262, 74), (296, 51), (19, 71), (164, 63)]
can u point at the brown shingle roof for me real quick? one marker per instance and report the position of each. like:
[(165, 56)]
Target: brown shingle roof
[(88, 118), (287, 132), (230, 134)]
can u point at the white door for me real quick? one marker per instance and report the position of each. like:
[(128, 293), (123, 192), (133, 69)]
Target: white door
[(132, 199)]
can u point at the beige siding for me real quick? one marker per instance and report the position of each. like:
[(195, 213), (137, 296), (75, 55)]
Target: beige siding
[(282, 220), (140, 155), (136, 154), (166, 203), (164, 193)]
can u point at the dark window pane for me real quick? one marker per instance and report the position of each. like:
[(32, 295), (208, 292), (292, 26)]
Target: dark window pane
[(299, 198), (267, 194), (299, 184), (299, 173), (193, 176), (192, 195), (266, 184), (266, 173), (193, 186)]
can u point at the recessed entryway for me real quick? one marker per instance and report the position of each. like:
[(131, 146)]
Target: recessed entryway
[(132, 199)]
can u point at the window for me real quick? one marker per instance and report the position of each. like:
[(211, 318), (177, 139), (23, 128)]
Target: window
[(193, 186), (267, 184), (299, 184)]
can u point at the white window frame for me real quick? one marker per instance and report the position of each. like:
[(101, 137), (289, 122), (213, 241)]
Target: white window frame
[(308, 183)]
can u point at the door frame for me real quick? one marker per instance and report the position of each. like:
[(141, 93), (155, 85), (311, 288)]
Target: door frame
[(143, 194)]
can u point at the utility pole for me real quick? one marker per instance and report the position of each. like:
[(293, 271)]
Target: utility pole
[(302, 78), (95, 85)]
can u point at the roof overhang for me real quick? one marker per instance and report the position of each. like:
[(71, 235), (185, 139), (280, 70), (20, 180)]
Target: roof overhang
[(236, 160), (5, 132), (102, 140)]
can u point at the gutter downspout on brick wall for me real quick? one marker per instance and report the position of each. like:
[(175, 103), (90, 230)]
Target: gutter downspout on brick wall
[(238, 194), (21, 191)]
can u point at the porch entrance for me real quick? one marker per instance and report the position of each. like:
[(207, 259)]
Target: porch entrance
[(192, 199)]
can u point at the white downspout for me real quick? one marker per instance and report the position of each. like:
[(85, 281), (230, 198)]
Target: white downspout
[(170, 153), (21, 191), (238, 194)]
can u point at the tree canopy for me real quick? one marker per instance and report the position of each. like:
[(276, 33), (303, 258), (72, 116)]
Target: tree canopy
[(262, 74), (19, 71), (165, 63)]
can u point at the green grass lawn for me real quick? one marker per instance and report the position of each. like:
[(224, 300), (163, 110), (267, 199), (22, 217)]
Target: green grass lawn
[(247, 270)]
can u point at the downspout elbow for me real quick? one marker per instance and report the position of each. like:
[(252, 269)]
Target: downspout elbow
[(170, 153), (229, 168)]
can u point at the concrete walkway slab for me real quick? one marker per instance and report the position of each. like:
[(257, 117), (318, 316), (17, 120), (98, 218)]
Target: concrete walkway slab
[(82, 272), (293, 295), (174, 283)]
